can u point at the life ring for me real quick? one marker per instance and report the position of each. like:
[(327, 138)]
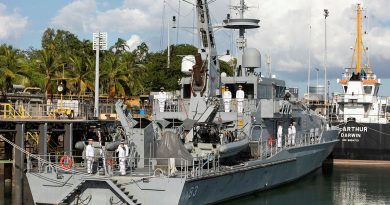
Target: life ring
[(68, 159)]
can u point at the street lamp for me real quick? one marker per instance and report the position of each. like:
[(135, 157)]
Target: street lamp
[(99, 43), (326, 14)]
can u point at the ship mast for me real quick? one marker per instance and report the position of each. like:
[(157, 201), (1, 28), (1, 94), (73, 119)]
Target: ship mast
[(242, 24), (359, 39)]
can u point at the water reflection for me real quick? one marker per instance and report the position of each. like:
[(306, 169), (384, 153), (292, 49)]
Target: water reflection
[(337, 185)]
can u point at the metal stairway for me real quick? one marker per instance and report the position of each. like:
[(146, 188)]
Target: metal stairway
[(72, 193), (127, 193)]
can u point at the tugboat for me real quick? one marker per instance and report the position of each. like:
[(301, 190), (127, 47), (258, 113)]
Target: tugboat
[(196, 151), (362, 115)]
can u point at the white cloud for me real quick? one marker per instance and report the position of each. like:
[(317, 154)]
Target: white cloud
[(84, 16), (11, 24), (133, 42), (285, 33), (76, 16)]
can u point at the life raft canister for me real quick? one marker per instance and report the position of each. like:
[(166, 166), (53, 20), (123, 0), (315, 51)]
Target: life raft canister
[(110, 162), (271, 141), (66, 162)]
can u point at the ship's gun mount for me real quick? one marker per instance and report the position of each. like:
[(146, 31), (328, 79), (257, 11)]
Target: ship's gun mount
[(214, 133)]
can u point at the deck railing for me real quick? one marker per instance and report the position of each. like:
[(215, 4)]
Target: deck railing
[(106, 163), (65, 110), (108, 166), (268, 147)]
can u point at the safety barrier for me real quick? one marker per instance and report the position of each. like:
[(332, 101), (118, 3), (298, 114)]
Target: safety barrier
[(171, 105), (268, 147), (108, 166), (9, 112), (66, 110)]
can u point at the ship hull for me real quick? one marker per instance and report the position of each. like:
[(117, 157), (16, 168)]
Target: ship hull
[(363, 141), (286, 166), (280, 170)]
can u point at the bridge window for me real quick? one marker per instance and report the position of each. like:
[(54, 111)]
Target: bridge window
[(345, 88), (376, 91), (280, 91), (367, 89)]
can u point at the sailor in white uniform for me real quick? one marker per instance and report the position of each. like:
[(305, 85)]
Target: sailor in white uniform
[(227, 98), (279, 135), (240, 99), (126, 153), (89, 154), (293, 133), (161, 98), (122, 158), (289, 134)]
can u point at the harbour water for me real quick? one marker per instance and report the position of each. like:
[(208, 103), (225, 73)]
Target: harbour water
[(340, 184)]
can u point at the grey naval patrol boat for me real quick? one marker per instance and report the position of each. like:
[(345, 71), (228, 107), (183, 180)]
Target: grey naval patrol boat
[(193, 152)]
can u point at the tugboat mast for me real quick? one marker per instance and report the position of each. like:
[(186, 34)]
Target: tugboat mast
[(359, 39)]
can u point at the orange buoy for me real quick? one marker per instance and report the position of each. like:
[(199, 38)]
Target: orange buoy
[(66, 162)]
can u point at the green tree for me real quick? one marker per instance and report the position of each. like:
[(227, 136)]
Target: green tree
[(114, 75), (120, 46), (11, 67), (225, 67), (141, 52), (48, 63), (136, 73), (81, 75), (63, 43), (159, 74)]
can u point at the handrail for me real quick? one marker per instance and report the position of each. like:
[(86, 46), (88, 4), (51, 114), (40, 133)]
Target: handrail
[(198, 168), (301, 139), (33, 136), (11, 112)]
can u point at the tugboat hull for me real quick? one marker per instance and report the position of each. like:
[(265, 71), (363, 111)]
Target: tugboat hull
[(363, 141)]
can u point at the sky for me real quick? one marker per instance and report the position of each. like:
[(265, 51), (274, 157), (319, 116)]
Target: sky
[(291, 32)]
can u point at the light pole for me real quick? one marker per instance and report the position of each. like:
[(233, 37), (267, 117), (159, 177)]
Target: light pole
[(317, 69), (326, 14), (99, 43), (169, 40)]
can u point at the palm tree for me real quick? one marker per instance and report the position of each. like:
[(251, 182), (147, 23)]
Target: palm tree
[(11, 69), (120, 46), (135, 73), (114, 74), (82, 73), (48, 63)]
